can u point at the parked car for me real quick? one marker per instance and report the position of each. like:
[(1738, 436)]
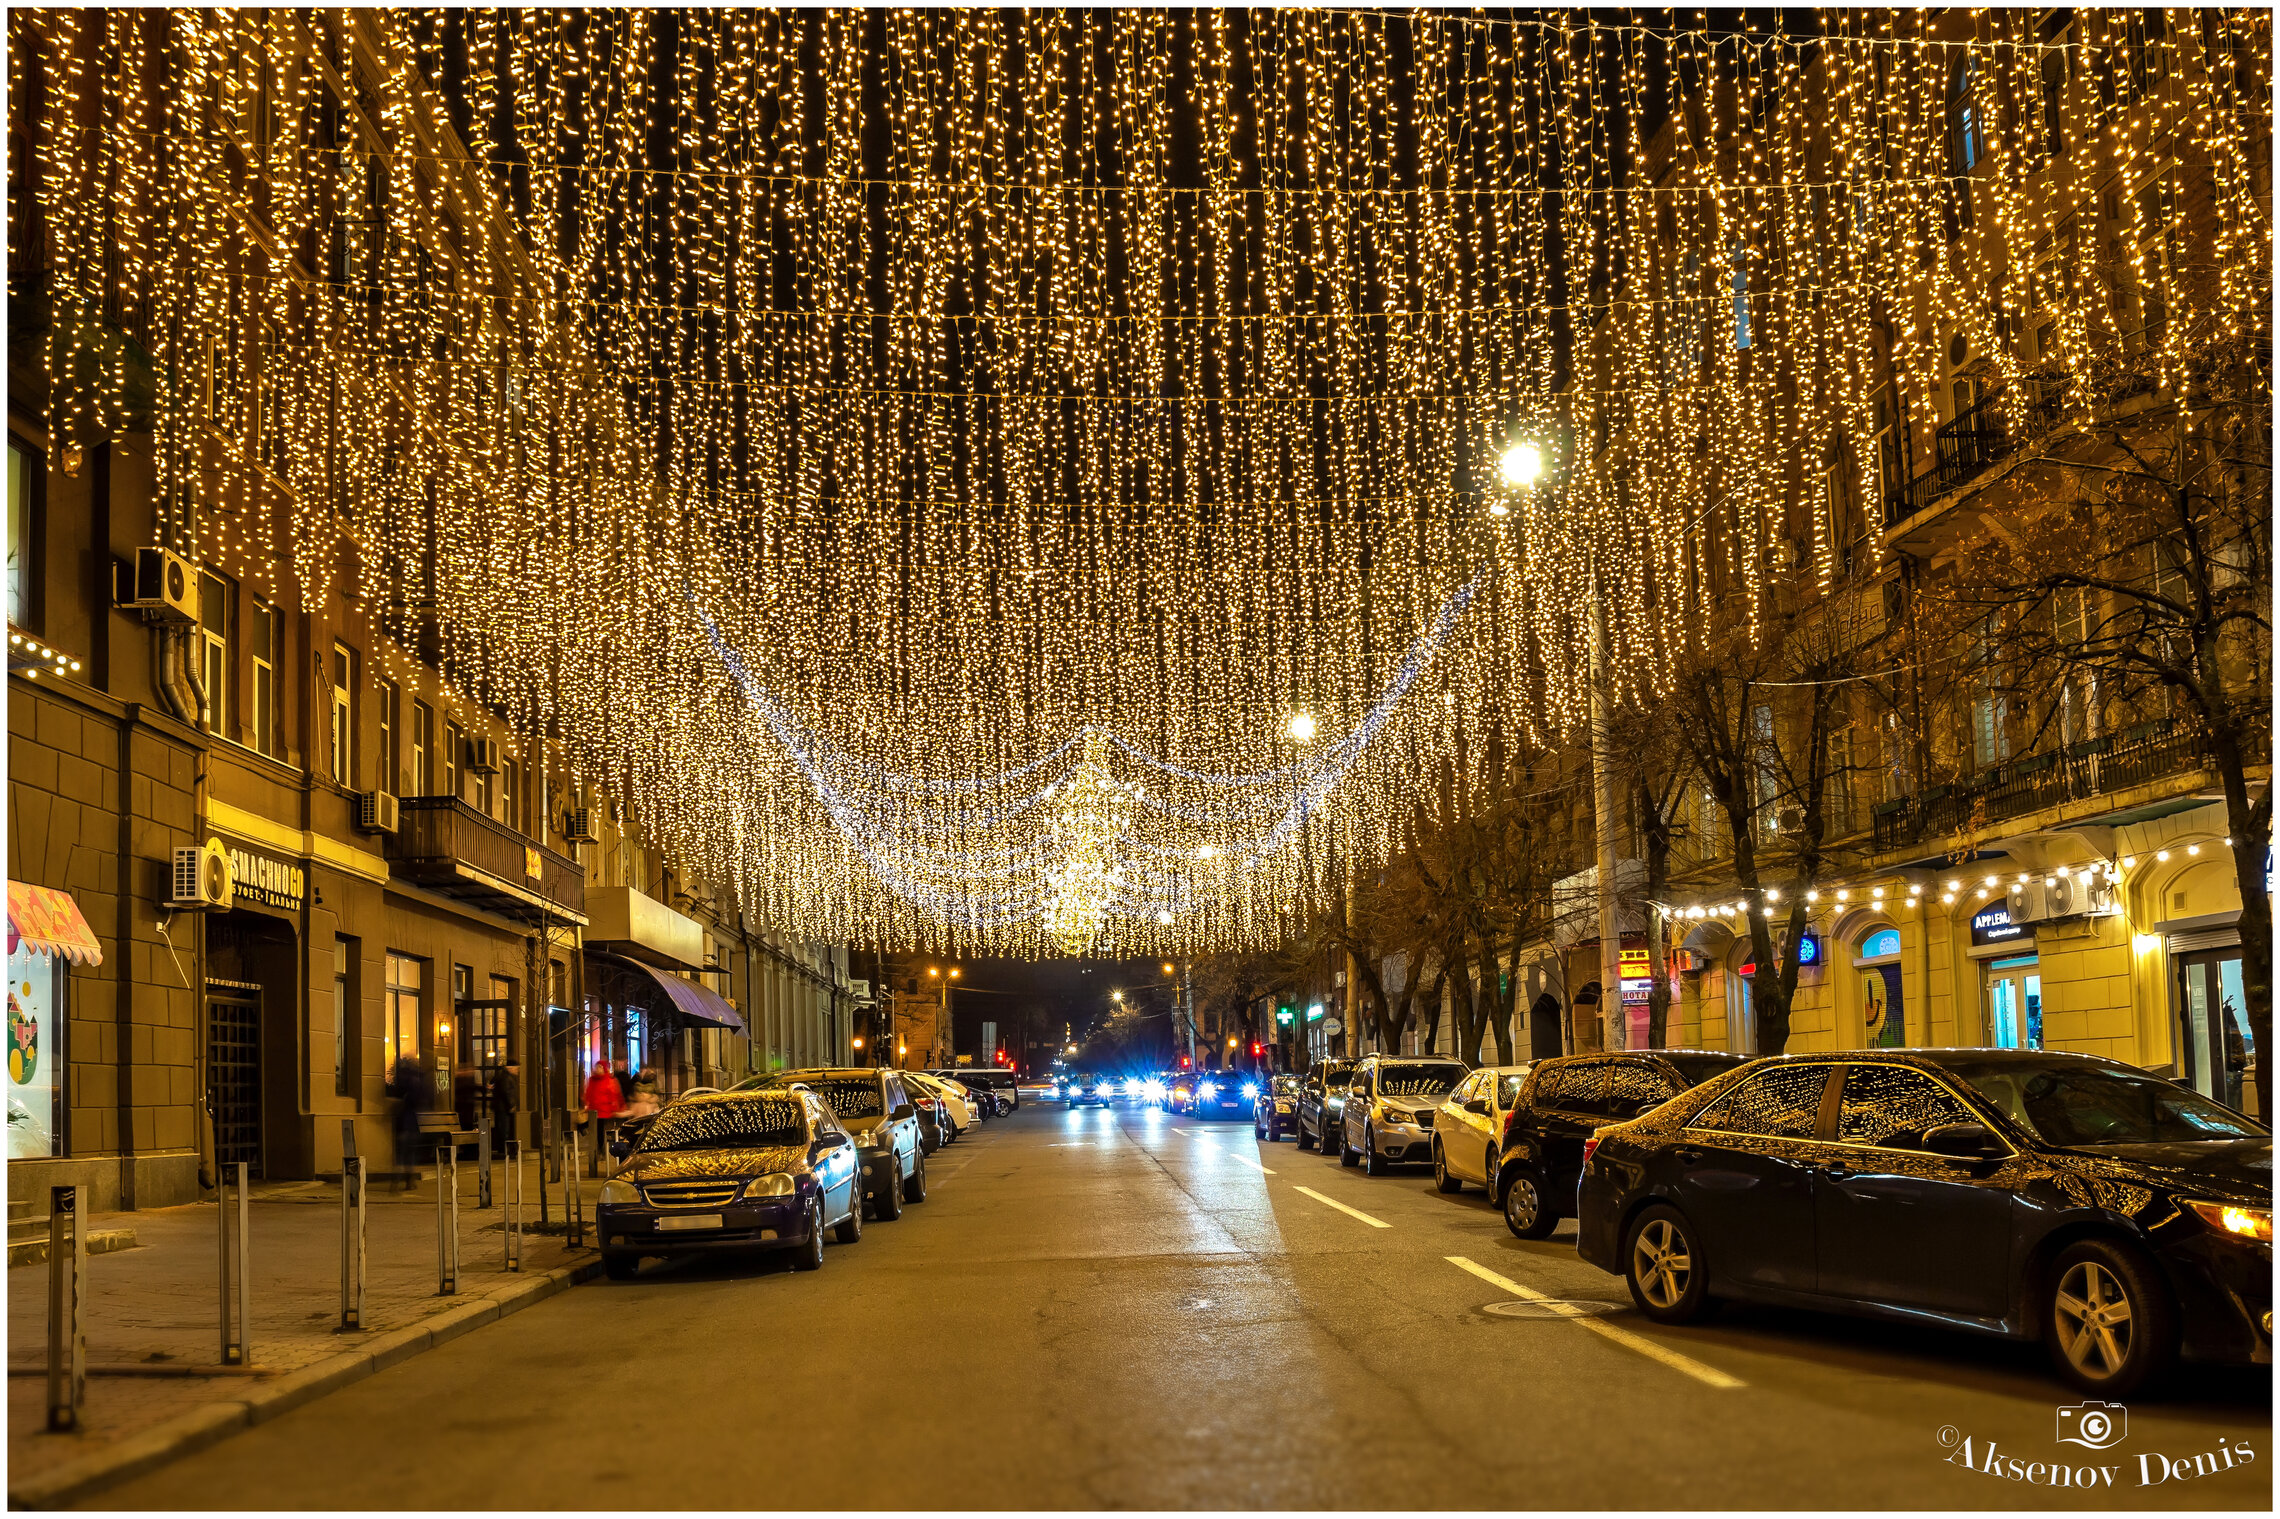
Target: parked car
[(1468, 1127), (988, 1102), (1321, 1097), (1275, 1109), (1089, 1087), (1223, 1094), (1388, 1114), (1001, 1080), (2122, 1219), (875, 1106), (1562, 1101), (755, 1170), (957, 1108)]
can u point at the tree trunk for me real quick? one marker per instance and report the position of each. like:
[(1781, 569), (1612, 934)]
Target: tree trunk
[(2250, 823), (1496, 991), (1657, 840)]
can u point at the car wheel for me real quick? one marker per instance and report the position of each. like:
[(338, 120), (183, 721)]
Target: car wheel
[(619, 1265), (1305, 1140), (886, 1203), (1663, 1263), (1372, 1162), (1274, 1131), (2110, 1325), (1444, 1180), (850, 1229), (914, 1186), (1347, 1154), (1524, 1211), (810, 1257)]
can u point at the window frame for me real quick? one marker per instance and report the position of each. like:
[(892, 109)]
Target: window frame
[(215, 650), (1836, 1132), (343, 675), (423, 747), (267, 640), (1698, 1123), (391, 703), (27, 602)]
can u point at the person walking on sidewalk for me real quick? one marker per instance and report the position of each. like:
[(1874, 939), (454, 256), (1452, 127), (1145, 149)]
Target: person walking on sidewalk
[(625, 1085), (408, 1085), (645, 1095), (506, 1092), (603, 1104)]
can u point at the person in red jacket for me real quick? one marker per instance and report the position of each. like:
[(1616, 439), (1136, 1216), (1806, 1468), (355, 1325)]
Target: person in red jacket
[(605, 1103)]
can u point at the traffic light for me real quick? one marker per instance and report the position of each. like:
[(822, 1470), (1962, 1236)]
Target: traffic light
[(1257, 1049), (1183, 1062)]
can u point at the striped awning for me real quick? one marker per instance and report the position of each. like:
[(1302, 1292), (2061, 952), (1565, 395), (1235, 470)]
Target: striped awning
[(48, 922)]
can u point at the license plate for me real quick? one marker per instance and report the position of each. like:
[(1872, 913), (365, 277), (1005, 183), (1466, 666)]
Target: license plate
[(690, 1221)]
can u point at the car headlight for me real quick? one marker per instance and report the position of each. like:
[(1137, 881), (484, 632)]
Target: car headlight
[(1396, 1116), (1208, 1089), (2235, 1220), (1250, 1091), (1131, 1088), (774, 1184), (621, 1193)]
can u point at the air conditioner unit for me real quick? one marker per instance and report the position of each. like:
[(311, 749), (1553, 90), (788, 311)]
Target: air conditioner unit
[(483, 756), (166, 585), (377, 812), (202, 878), (581, 829), (2029, 902), (2081, 896)]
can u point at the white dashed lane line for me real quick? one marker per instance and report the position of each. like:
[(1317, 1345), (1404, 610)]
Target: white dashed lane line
[(1709, 1375), (1332, 1202)]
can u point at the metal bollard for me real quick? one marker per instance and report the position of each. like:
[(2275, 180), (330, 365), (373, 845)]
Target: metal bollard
[(67, 1333), (352, 1186), (237, 1314), (483, 1161), (447, 1220), (514, 1205), (577, 1208)]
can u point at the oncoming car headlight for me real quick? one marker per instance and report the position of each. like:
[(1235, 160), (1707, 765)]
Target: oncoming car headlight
[(1207, 1089), (1250, 1091), (774, 1184), (621, 1192)]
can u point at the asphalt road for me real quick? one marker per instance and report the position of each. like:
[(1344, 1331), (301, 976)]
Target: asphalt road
[(1124, 1309)]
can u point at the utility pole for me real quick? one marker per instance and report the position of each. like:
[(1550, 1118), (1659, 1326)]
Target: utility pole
[(1603, 809)]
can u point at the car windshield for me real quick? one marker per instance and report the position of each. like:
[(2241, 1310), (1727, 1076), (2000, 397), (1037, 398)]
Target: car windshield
[(2078, 1103), (1695, 1068), (1336, 1076), (1405, 1080), (851, 1097), (752, 1121), (1285, 1085)]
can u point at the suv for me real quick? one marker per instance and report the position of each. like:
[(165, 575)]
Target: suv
[(1320, 1097), (1565, 1098), (1388, 1113)]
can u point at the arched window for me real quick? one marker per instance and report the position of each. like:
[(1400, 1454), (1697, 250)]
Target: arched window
[(1883, 1016)]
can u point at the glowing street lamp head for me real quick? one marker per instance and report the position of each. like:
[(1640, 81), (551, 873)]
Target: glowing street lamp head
[(1167, 967), (953, 972), (1301, 727), (1114, 997), (1521, 465)]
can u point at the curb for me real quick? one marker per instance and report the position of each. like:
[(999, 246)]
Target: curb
[(197, 1428)]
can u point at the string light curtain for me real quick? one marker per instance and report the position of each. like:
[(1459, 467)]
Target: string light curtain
[(926, 459)]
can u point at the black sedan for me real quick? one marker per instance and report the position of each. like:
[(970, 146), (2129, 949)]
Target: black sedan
[(757, 1170), (2122, 1219), (1276, 1108), (1224, 1094), (1089, 1087)]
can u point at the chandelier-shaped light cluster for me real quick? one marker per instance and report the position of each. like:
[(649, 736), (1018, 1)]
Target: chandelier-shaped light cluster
[(1092, 811), (804, 421)]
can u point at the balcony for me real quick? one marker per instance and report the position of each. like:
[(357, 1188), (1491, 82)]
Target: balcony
[(450, 848), (1979, 439), (2105, 766)]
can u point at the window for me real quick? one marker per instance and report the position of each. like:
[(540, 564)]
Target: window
[(1575, 1088), (1837, 804), (344, 1009), (391, 715), (400, 1017), (1892, 1108), (1965, 120), (1765, 764), (214, 652), (1781, 1103), (423, 749), (344, 716), (510, 789), (487, 792), (1891, 454), (1990, 706), (1631, 1083), (267, 630), (27, 480), (454, 747), (1881, 942), (2053, 101)]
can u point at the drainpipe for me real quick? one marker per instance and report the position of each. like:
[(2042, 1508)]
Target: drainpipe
[(180, 684)]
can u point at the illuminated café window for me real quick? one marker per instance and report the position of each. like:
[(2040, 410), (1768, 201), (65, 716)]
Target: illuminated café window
[(1880, 942), (37, 984)]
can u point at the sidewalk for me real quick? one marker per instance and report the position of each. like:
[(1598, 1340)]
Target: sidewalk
[(155, 1387)]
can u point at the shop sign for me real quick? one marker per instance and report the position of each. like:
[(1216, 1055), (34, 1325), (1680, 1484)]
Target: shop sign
[(272, 883), (530, 862), (1993, 925)]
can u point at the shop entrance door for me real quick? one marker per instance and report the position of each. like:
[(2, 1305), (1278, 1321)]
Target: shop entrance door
[(2214, 1044), (233, 1075), (2014, 1004)]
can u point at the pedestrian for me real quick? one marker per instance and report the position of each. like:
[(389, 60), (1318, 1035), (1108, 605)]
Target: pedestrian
[(624, 1085), (466, 1094), (408, 1085), (506, 1092), (646, 1099), (603, 1105)]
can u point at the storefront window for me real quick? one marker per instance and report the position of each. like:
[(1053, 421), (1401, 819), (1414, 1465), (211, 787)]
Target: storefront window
[(1884, 1023), (400, 1019), (2212, 1007), (35, 1054)]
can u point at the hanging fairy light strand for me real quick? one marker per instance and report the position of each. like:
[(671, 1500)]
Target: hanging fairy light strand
[(1014, 385)]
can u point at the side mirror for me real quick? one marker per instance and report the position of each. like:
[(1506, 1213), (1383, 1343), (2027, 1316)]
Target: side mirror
[(1964, 1141), (1477, 1105), (903, 1112), (621, 1147)]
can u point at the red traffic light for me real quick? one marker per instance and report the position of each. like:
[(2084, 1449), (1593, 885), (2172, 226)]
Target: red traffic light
[(1257, 1049), (1183, 1062)]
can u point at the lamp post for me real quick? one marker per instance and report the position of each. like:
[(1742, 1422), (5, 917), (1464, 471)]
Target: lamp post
[(1520, 467)]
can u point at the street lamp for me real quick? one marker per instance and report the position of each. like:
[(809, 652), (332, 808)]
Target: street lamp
[(1300, 727), (1116, 996), (1521, 465)]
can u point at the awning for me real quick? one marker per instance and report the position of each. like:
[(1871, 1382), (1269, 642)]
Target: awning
[(48, 922), (695, 1003)]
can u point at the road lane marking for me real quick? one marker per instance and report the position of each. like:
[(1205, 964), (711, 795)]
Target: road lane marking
[(1213, 1144), (1374, 1223), (1620, 1336)]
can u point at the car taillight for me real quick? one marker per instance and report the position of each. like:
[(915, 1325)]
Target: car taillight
[(1589, 1145)]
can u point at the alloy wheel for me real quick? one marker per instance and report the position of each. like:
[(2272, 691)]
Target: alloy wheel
[(1662, 1263), (2095, 1320)]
